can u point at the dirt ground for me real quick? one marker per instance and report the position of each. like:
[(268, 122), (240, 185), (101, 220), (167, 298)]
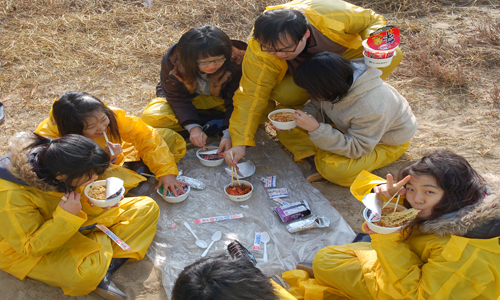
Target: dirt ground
[(449, 75)]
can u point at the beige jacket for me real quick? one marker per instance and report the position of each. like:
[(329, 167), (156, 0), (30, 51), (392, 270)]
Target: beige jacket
[(371, 113)]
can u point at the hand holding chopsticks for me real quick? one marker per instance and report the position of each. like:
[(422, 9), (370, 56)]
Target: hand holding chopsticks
[(233, 170), (109, 146)]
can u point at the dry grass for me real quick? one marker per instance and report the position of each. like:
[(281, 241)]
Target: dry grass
[(112, 49)]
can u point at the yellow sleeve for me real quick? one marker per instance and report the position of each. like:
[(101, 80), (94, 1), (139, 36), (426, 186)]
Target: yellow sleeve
[(363, 21), (364, 183), (261, 73), (452, 267), (152, 148), (25, 229)]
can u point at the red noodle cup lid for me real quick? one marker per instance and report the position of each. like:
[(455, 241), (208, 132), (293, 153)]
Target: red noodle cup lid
[(385, 39)]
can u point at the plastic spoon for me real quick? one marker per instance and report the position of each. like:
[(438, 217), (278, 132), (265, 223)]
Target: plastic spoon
[(264, 238), (199, 243), (215, 237)]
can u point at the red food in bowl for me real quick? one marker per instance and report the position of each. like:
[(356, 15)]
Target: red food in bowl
[(238, 190)]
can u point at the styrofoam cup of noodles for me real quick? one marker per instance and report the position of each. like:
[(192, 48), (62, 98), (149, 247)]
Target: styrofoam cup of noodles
[(102, 203), (282, 125), (378, 58), (239, 198), (209, 162), (380, 229), (172, 198)]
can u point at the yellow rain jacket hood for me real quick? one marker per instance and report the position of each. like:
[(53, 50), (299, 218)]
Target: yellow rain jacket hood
[(456, 256), (342, 22), (138, 141)]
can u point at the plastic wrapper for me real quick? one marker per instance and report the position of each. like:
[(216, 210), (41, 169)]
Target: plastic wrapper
[(194, 183), (310, 222), (173, 248), (269, 181), (374, 205)]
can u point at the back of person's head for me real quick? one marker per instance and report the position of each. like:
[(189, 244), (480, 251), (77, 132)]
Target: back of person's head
[(74, 156), (325, 76), (72, 110), (219, 278), (278, 25), (461, 184), (203, 42)]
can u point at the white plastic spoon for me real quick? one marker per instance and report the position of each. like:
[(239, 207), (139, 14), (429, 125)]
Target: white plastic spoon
[(199, 243), (264, 238), (215, 237)]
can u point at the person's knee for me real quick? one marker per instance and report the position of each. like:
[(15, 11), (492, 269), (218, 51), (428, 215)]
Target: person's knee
[(86, 278), (339, 174)]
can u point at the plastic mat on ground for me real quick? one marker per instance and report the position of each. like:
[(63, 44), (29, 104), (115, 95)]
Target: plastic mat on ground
[(174, 246)]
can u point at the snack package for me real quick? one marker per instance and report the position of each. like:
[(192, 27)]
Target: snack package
[(310, 222), (237, 251), (216, 219), (269, 181), (293, 211), (276, 193), (374, 204)]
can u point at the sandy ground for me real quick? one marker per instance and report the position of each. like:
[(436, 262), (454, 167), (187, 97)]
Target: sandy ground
[(467, 123)]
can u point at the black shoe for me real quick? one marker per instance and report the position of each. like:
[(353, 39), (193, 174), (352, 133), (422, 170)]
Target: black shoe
[(210, 129), (106, 288), (2, 113), (306, 266), (362, 237)]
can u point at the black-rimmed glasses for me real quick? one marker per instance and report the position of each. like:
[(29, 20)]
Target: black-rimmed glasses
[(206, 63)]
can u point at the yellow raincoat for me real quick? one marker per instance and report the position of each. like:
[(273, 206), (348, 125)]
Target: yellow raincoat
[(264, 74), (159, 152), (40, 240), (433, 263)]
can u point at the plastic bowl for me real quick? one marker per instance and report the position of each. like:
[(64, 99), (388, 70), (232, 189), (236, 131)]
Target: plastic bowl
[(206, 162), (173, 199), (378, 62), (103, 203), (242, 197), (282, 125), (380, 229)]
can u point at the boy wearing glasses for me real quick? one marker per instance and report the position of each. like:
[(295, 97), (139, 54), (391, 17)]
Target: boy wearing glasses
[(285, 36)]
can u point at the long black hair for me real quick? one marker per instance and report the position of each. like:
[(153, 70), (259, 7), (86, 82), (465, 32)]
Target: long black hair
[(325, 76), (219, 278), (203, 42), (72, 155), (73, 108), (461, 184)]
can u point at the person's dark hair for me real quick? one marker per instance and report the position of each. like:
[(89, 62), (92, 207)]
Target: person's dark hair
[(203, 42), (71, 110), (461, 184), (219, 278), (325, 76), (72, 155), (276, 25)]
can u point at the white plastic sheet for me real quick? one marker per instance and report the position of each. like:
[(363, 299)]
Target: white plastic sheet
[(174, 246)]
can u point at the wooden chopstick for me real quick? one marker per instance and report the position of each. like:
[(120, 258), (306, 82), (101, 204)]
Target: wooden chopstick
[(107, 141), (396, 194), (233, 169)]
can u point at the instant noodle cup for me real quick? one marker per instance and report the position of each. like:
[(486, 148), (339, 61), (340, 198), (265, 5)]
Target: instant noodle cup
[(239, 198), (209, 162), (172, 198), (380, 229), (114, 191), (282, 113), (377, 58)]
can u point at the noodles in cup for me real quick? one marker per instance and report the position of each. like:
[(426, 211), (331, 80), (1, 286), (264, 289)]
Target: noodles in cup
[(282, 117)]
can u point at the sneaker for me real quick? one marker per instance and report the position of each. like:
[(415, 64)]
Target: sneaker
[(306, 266), (313, 176)]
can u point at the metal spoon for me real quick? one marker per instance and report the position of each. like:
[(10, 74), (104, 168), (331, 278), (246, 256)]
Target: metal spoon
[(215, 237), (264, 238), (199, 243)]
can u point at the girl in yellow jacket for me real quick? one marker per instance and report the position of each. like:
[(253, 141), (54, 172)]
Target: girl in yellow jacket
[(130, 139), (451, 251), (44, 237)]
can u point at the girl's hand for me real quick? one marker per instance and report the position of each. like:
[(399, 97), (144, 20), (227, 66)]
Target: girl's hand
[(197, 137), (117, 149), (238, 152), (305, 120), (72, 204), (388, 190), (225, 144), (170, 182), (367, 229)]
